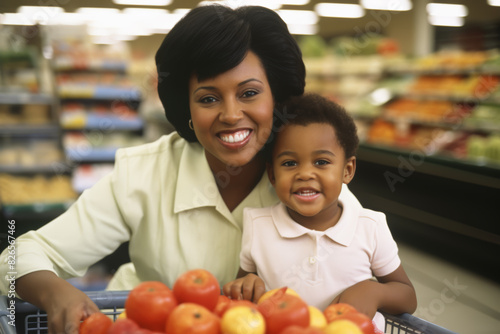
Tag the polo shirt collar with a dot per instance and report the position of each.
(343, 232)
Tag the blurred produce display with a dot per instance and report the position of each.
(446, 104)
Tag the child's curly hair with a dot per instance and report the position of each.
(314, 108)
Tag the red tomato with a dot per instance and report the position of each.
(123, 326)
(301, 330)
(221, 305)
(191, 318)
(197, 286)
(334, 311)
(96, 323)
(283, 310)
(149, 304)
(361, 320)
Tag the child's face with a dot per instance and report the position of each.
(308, 170)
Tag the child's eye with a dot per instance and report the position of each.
(322, 162)
(289, 164)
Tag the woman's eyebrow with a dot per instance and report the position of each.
(248, 80)
(240, 84)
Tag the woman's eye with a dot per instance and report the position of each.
(250, 93)
(289, 164)
(208, 99)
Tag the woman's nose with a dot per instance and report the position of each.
(231, 111)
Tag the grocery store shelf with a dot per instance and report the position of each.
(57, 167)
(479, 173)
(25, 98)
(99, 93)
(30, 129)
(104, 154)
(64, 64)
(31, 209)
(101, 122)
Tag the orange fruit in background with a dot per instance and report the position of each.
(342, 326)
(316, 318)
(243, 320)
(269, 293)
(335, 311)
(191, 318)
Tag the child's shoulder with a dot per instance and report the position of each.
(262, 212)
(369, 215)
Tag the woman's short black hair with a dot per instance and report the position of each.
(314, 108)
(213, 39)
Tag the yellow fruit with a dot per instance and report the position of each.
(269, 293)
(122, 315)
(317, 318)
(342, 326)
(243, 320)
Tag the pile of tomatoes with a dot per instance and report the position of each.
(195, 306)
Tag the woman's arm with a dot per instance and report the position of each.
(247, 286)
(393, 293)
(64, 304)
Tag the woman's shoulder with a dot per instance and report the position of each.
(167, 143)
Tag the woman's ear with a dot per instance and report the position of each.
(349, 170)
(270, 173)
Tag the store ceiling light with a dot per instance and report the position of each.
(235, 4)
(303, 17)
(97, 12)
(149, 12)
(15, 19)
(445, 9)
(143, 2)
(303, 29)
(494, 2)
(391, 5)
(339, 10)
(68, 19)
(34, 10)
(294, 2)
(446, 21)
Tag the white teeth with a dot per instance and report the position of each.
(307, 193)
(236, 138)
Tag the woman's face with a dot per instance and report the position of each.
(232, 113)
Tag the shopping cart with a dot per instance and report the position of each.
(29, 319)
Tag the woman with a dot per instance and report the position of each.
(178, 201)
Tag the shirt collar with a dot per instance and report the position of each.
(195, 185)
(342, 233)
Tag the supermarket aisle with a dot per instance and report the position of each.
(450, 296)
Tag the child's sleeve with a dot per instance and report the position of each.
(385, 257)
(246, 259)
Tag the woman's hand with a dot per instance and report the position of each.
(364, 296)
(64, 304)
(249, 287)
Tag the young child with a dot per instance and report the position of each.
(325, 249)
